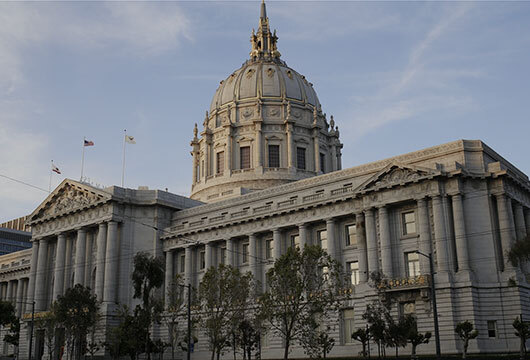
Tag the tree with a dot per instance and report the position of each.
(363, 336)
(414, 337)
(301, 285)
(316, 341)
(522, 331)
(128, 338)
(396, 333)
(147, 276)
(9, 319)
(466, 332)
(248, 337)
(520, 251)
(223, 296)
(174, 311)
(77, 311)
(376, 315)
(48, 324)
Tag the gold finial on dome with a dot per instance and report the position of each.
(264, 42)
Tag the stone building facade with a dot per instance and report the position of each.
(461, 202)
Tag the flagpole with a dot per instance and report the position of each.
(50, 185)
(83, 159)
(123, 167)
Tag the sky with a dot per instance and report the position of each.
(397, 76)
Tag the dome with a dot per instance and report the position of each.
(266, 80)
(265, 128)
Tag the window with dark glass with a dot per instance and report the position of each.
(274, 156)
(220, 162)
(351, 235)
(269, 247)
(492, 328)
(300, 158)
(408, 220)
(413, 264)
(244, 254)
(202, 260)
(223, 255)
(244, 152)
(348, 325)
(182, 263)
(323, 162)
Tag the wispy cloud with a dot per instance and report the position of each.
(402, 94)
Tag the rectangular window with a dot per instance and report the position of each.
(322, 237)
(295, 241)
(244, 153)
(269, 247)
(323, 162)
(182, 263)
(413, 264)
(300, 158)
(274, 156)
(223, 255)
(244, 253)
(407, 308)
(408, 221)
(492, 328)
(353, 267)
(220, 163)
(351, 235)
(202, 260)
(348, 325)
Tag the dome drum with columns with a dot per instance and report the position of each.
(265, 127)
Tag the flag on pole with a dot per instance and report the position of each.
(55, 169)
(129, 139)
(88, 143)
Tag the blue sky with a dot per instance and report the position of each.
(397, 76)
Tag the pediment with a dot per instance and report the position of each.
(395, 175)
(70, 196)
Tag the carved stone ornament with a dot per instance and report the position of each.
(289, 74)
(270, 72)
(395, 176)
(247, 112)
(274, 112)
(297, 114)
(250, 72)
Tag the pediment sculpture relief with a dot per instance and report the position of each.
(396, 176)
(70, 198)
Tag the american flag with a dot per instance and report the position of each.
(88, 143)
(55, 169)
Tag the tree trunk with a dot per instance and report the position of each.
(522, 348)
(413, 353)
(286, 350)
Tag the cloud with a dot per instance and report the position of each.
(133, 28)
(420, 87)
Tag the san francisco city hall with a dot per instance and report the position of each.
(267, 174)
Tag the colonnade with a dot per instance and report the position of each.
(375, 245)
(15, 291)
(79, 267)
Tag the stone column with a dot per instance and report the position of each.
(111, 264)
(386, 243)
(40, 279)
(101, 243)
(361, 246)
(253, 254)
(276, 243)
(20, 297)
(333, 247)
(80, 258)
(506, 225)
(316, 146)
(228, 153)
(68, 264)
(424, 228)
(333, 154)
(169, 275)
(259, 142)
(462, 250)
(527, 220)
(208, 256)
(440, 235)
(33, 270)
(520, 226)
(302, 233)
(188, 268)
(290, 147)
(88, 258)
(9, 292)
(230, 252)
(371, 241)
(59, 266)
